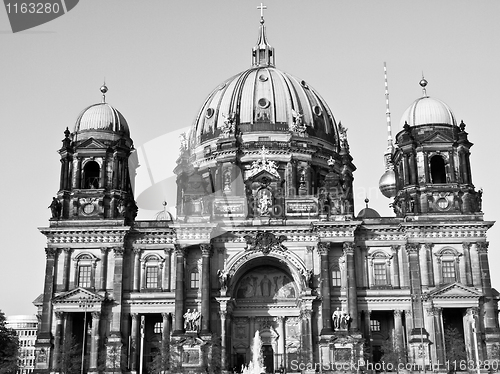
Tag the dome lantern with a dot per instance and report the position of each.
(262, 52)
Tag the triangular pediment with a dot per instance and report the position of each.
(265, 175)
(76, 296)
(92, 144)
(455, 290)
(438, 137)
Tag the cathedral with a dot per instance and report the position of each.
(265, 245)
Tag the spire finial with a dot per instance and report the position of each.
(262, 53)
(104, 89)
(261, 7)
(423, 84)
(367, 201)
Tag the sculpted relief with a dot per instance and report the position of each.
(266, 282)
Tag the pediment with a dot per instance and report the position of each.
(455, 290)
(265, 176)
(438, 137)
(92, 144)
(74, 297)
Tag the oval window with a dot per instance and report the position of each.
(210, 112)
(304, 84)
(262, 78)
(442, 203)
(317, 110)
(263, 103)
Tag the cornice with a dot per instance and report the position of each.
(85, 235)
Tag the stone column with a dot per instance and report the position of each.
(94, 340)
(281, 340)
(406, 168)
(104, 268)
(114, 339)
(368, 331)
(44, 329)
(430, 268)
(206, 253)
(67, 268)
(398, 329)
(134, 341)
(424, 265)
(467, 259)
(137, 269)
(58, 341)
(179, 290)
(325, 288)
(426, 167)
(437, 314)
(451, 157)
(224, 309)
(415, 284)
(490, 314)
(413, 168)
(395, 266)
(307, 339)
(352, 296)
(168, 270)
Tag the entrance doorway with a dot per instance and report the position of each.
(268, 355)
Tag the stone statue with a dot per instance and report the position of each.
(336, 318)
(223, 279)
(191, 320)
(55, 208)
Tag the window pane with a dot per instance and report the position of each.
(152, 277)
(336, 278)
(379, 274)
(195, 279)
(158, 328)
(448, 268)
(84, 274)
(374, 325)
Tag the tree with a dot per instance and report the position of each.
(455, 346)
(9, 347)
(392, 354)
(166, 357)
(69, 357)
(214, 355)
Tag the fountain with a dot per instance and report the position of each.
(256, 366)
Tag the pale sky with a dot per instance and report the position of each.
(162, 58)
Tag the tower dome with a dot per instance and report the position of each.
(101, 120)
(427, 111)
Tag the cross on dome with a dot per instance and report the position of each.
(262, 7)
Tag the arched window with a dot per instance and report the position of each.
(85, 271)
(151, 266)
(438, 170)
(91, 172)
(448, 259)
(379, 262)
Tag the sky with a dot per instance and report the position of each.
(160, 59)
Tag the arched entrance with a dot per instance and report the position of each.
(267, 299)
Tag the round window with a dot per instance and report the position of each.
(442, 203)
(263, 103)
(263, 78)
(317, 110)
(88, 209)
(210, 112)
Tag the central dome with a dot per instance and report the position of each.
(264, 99)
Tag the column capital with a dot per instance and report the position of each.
(179, 251)
(165, 315)
(412, 248)
(466, 245)
(59, 316)
(135, 316)
(167, 251)
(408, 312)
(395, 248)
(137, 251)
(104, 250)
(323, 248)
(206, 249)
(482, 247)
(348, 247)
(397, 313)
(223, 314)
(434, 311)
(118, 251)
(96, 315)
(474, 311)
(306, 313)
(428, 246)
(50, 253)
(68, 250)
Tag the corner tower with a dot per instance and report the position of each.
(431, 162)
(95, 181)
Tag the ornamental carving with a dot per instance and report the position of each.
(50, 253)
(263, 164)
(323, 248)
(265, 242)
(412, 248)
(206, 249)
(348, 247)
(482, 247)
